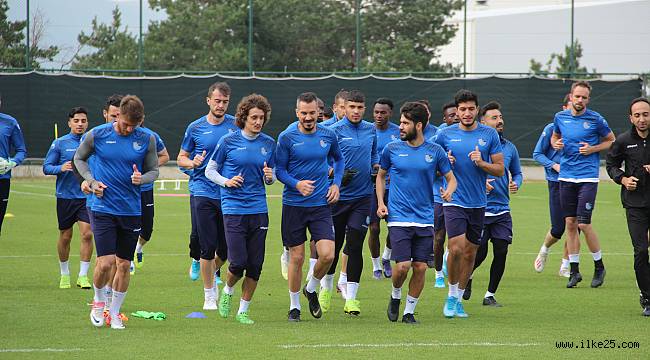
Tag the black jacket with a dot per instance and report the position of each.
(634, 150)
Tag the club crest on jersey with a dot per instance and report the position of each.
(137, 146)
(428, 158)
(263, 151)
(323, 144)
(482, 142)
(585, 125)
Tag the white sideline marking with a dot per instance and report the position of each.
(38, 350)
(479, 344)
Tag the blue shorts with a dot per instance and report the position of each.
(555, 208)
(209, 221)
(468, 221)
(373, 206)
(296, 220)
(146, 202)
(69, 211)
(246, 238)
(438, 217)
(497, 227)
(411, 243)
(578, 200)
(116, 235)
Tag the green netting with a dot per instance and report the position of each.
(39, 101)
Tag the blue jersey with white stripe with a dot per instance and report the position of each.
(412, 172)
(160, 146)
(238, 155)
(588, 127)
(358, 143)
(11, 140)
(61, 151)
(203, 136)
(498, 200)
(301, 156)
(470, 192)
(545, 155)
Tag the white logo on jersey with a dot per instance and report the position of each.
(428, 158)
(585, 125)
(263, 151)
(207, 132)
(482, 142)
(137, 146)
(323, 144)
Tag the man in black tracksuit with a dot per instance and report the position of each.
(633, 148)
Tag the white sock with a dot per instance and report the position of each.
(397, 293)
(453, 290)
(138, 248)
(295, 300)
(65, 269)
(83, 268)
(411, 302)
(312, 263)
(574, 258)
(597, 255)
(343, 278)
(387, 253)
(243, 306)
(565, 263)
(353, 287)
(116, 304)
(544, 249)
(327, 282)
(228, 290)
(100, 294)
(460, 294)
(313, 284)
(440, 274)
(376, 264)
(488, 294)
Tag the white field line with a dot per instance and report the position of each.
(403, 345)
(38, 350)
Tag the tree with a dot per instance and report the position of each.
(562, 64)
(12, 40)
(116, 47)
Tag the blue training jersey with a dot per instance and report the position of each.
(545, 155)
(160, 146)
(11, 139)
(199, 136)
(238, 155)
(412, 172)
(61, 151)
(358, 143)
(588, 127)
(384, 137)
(498, 200)
(301, 156)
(470, 192)
(114, 156)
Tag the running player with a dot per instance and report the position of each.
(474, 151)
(11, 137)
(386, 132)
(70, 200)
(201, 138)
(497, 226)
(548, 157)
(301, 165)
(120, 150)
(581, 134)
(413, 164)
(358, 141)
(243, 164)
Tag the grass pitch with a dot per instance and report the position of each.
(41, 321)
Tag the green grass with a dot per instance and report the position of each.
(538, 309)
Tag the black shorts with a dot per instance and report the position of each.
(146, 202)
(116, 235)
(69, 211)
